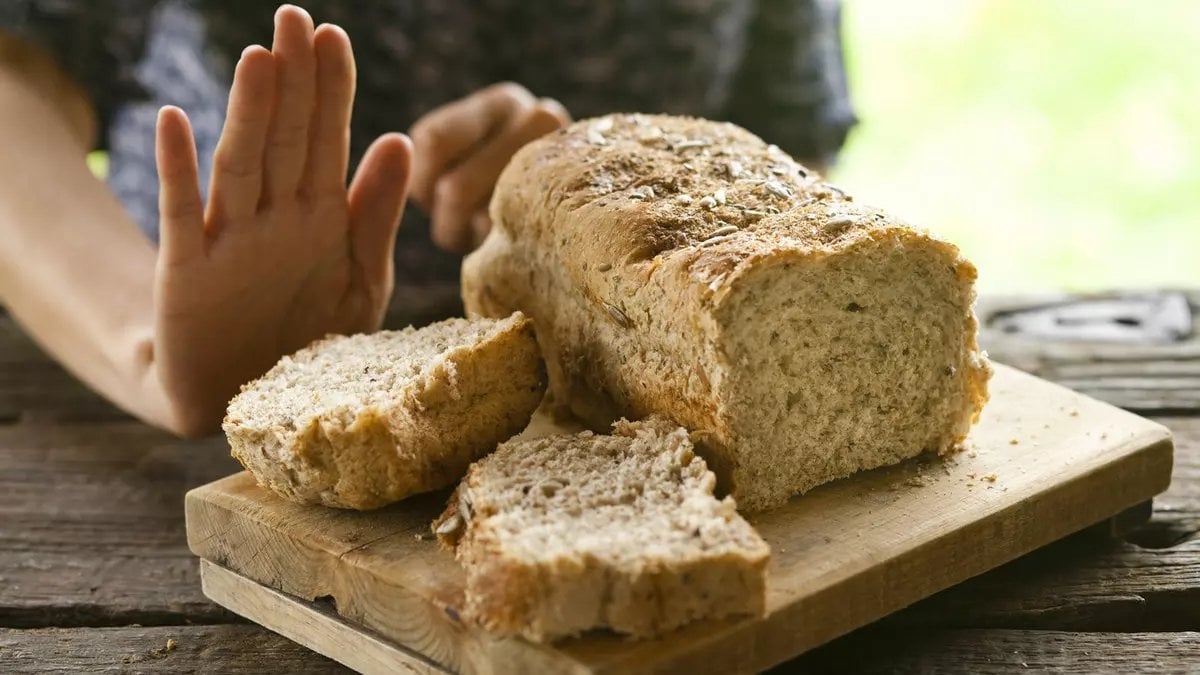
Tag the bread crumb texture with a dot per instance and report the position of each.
(570, 533)
(366, 420)
(686, 268)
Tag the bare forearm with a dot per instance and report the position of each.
(74, 269)
(278, 257)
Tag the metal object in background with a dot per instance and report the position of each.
(1161, 317)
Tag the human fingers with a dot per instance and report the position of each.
(237, 172)
(329, 147)
(181, 211)
(295, 89)
(464, 191)
(447, 134)
(481, 225)
(376, 199)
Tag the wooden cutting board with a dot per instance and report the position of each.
(1042, 463)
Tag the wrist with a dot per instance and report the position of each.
(167, 403)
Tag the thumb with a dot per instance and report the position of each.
(377, 196)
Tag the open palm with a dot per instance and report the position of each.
(283, 252)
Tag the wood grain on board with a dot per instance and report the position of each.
(312, 624)
(1043, 462)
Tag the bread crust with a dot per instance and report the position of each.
(626, 236)
(458, 409)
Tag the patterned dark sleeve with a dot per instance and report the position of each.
(97, 44)
(791, 87)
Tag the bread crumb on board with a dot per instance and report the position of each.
(155, 653)
(989, 478)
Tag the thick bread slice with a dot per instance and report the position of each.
(686, 268)
(362, 421)
(568, 533)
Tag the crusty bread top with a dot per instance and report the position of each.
(688, 193)
(336, 378)
(638, 499)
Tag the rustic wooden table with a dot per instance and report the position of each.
(95, 574)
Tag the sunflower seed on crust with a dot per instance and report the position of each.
(617, 315)
(715, 240)
(778, 189)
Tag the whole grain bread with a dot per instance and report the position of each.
(568, 533)
(686, 268)
(362, 421)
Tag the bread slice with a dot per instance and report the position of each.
(686, 268)
(362, 421)
(569, 533)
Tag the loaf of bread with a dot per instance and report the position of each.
(568, 533)
(686, 268)
(362, 421)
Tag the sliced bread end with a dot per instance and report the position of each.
(570, 533)
(366, 420)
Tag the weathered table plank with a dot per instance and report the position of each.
(228, 649)
(1077, 584)
(1177, 511)
(250, 649)
(1005, 651)
(33, 387)
(91, 525)
(1139, 351)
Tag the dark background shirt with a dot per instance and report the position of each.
(773, 66)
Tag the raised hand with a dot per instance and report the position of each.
(283, 252)
(462, 147)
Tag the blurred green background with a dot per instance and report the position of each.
(1056, 141)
